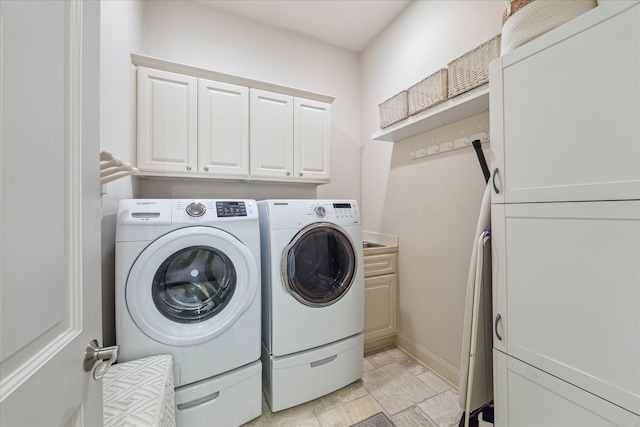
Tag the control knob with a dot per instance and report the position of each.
(196, 209)
(320, 211)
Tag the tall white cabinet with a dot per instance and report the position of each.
(565, 127)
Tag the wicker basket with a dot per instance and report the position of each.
(534, 18)
(514, 6)
(393, 109)
(472, 69)
(428, 92)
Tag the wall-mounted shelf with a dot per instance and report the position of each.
(462, 106)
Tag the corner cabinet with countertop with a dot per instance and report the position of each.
(196, 123)
(380, 296)
(565, 220)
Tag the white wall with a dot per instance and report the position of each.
(432, 203)
(120, 34)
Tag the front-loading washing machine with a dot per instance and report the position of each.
(312, 298)
(187, 284)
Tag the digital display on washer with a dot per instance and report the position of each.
(342, 205)
(226, 209)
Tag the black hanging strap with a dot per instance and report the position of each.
(483, 162)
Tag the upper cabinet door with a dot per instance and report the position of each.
(223, 129)
(312, 139)
(167, 121)
(271, 137)
(565, 109)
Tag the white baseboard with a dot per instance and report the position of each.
(444, 369)
(379, 344)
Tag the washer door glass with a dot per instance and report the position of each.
(319, 265)
(191, 285)
(194, 284)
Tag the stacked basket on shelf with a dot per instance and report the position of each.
(523, 21)
(461, 75)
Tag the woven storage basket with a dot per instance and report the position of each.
(472, 69)
(393, 109)
(514, 6)
(534, 18)
(428, 92)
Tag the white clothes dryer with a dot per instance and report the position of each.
(312, 298)
(187, 284)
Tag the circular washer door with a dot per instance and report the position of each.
(319, 265)
(191, 285)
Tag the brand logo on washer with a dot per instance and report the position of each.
(145, 203)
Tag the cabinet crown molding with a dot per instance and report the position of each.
(161, 64)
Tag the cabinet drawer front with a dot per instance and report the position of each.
(376, 265)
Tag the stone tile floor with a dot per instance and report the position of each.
(393, 382)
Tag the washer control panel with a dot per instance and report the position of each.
(235, 208)
(160, 212)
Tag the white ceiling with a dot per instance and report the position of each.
(349, 24)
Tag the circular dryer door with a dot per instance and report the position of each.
(191, 285)
(319, 265)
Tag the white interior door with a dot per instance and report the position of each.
(50, 212)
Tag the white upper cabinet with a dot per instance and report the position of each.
(167, 122)
(290, 138)
(551, 146)
(312, 139)
(271, 135)
(223, 129)
(227, 127)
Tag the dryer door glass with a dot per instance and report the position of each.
(319, 265)
(194, 284)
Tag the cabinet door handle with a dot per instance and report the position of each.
(493, 180)
(498, 318)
